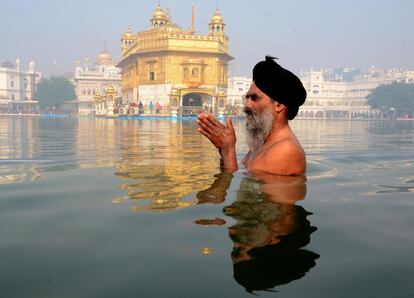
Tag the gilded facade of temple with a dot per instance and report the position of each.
(177, 68)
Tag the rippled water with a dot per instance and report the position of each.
(122, 208)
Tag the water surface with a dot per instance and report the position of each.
(121, 208)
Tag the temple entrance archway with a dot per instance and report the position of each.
(192, 99)
(194, 102)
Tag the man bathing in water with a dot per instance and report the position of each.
(273, 98)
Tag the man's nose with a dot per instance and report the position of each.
(248, 103)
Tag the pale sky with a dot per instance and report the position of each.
(303, 34)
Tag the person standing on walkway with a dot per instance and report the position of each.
(157, 108)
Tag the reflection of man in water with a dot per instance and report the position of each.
(273, 98)
(270, 230)
(269, 237)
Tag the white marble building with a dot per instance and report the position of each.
(17, 87)
(331, 96)
(94, 80)
(237, 89)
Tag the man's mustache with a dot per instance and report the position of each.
(249, 111)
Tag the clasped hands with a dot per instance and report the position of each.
(223, 137)
(220, 135)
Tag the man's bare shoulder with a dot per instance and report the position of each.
(285, 157)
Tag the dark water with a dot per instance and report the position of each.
(112, 208)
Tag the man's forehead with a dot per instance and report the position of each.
(254, 90)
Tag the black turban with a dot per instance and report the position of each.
(279, 84)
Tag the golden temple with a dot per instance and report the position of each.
(179, 69)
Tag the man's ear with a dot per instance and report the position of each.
(278, 107)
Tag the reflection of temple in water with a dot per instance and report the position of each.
(19, 137)
(96, 142)
(164, 165)
(160, 163)
(18, 144)
(16, 173)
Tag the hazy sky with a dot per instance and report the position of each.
(303, 34)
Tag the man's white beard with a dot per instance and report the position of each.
(258, 130)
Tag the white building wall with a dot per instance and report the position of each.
(351, 97)
(3, 82)
(12, 84)
(237, 89)
(17, 88)
(93, 81)
(155, 93)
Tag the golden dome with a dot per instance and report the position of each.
(110, 89)
(172, 27)
(217, 18)
(104, 58)
(159, 14)
(128, 34)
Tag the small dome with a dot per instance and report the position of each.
(110, 89)
(172, 27)
(7, 64)
(104, 58)
(217, 18)
(159, 14)
(32, 66)
(128, 35)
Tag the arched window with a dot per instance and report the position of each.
(185, 72)
(194, 72)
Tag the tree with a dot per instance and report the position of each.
(54, 92)
(398, 97)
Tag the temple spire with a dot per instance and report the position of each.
(192, 18)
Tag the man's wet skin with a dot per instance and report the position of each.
(273, 98)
